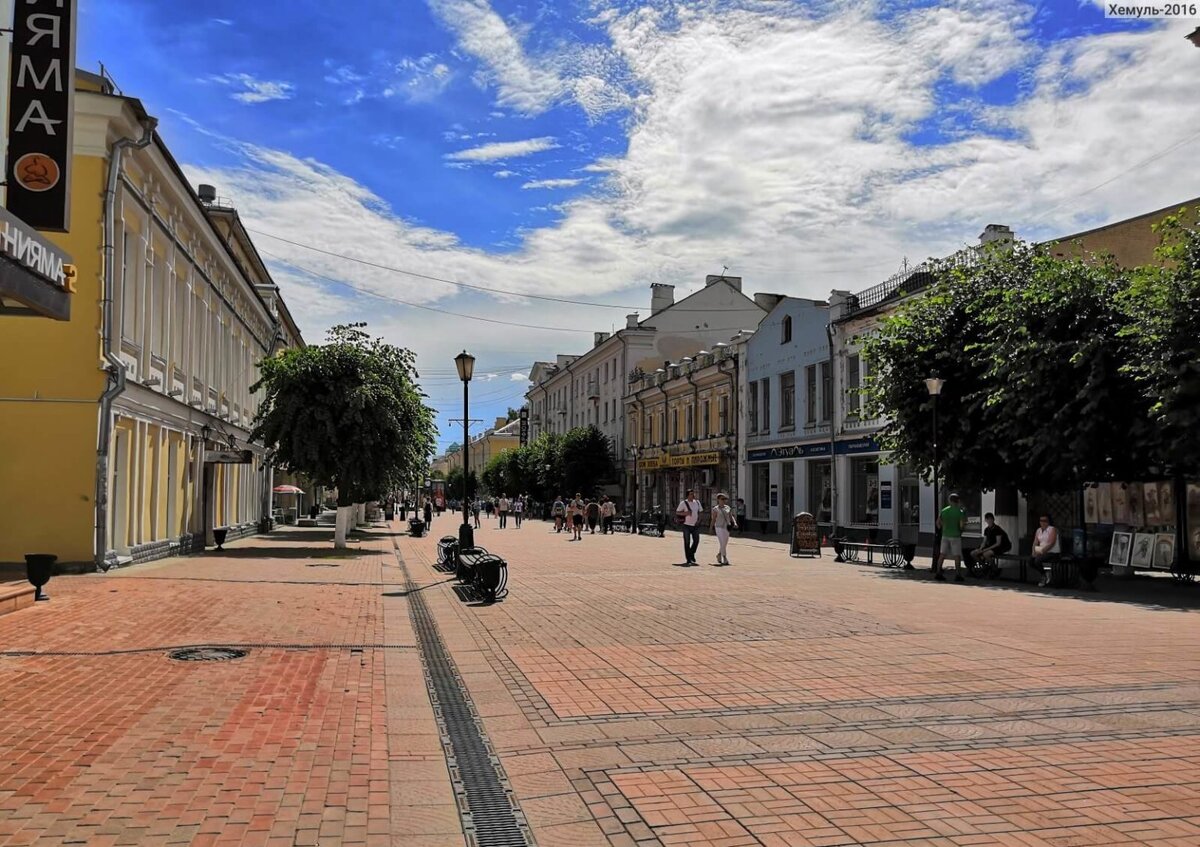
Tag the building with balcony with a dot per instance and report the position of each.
(592, 388)
(681, 423)
(126, 432)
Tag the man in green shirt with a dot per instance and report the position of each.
(950, 521)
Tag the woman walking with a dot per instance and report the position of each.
(723, 520)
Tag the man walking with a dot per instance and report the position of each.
(950, 521)
(576, 509)
(607, 510)
(518, 509)
(689, 510)
(502, 508)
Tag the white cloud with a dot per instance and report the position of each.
(776, 144)
(519, 377)
(504, 150)
(552, 183)
(255, 90)
(504, 174)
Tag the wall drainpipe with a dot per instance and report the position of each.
(113, 363)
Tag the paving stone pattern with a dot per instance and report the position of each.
(628, 701)
(802, 702)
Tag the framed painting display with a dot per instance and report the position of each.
(1118, 554)
(1193, 521)
(1143, 550)
(1137, 512)
(1104, 498)
(1164, 550)
(1091, 510)
(1120, 502)
(1166, 503)
(1150, 501)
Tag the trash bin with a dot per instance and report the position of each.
(38, 569)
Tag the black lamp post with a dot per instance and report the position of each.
(934, 386)
(465, 363)
(636, 481)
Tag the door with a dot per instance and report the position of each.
(789, 496)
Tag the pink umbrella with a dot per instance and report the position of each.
(287, 489)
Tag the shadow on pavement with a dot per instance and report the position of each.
(1156, 593)
(267, 552)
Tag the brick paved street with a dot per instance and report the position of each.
(776, 702)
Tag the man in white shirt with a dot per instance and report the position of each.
(502, 508)
(689, 510)
(518, 507)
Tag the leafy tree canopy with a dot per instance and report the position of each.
(454, 484)
(347, 413)
(1057, 370)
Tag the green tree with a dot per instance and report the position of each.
(454, 484)
(587, 460)
(1163, 307)
(1031, 348)
(348, 414)
(437, 475)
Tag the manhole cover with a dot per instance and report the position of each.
(207, 654)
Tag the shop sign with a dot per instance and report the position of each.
(524, 425)
(40, 113)
(686, 460)
(865, 444)
(228, 457)
(790, 451)
(21, 244)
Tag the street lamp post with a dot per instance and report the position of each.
(465, 363)
(934, 386)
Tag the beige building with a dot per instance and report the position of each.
(504, 435)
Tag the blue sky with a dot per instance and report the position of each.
(586, 149)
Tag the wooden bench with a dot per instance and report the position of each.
(891, 554)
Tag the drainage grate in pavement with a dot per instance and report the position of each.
(207, 654)
(322, 565)
(491, 817)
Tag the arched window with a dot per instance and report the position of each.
(787, 329)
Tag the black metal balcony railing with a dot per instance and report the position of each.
(910, 280)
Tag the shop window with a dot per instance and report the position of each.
(820, 490)
(908, 496)
(810, 394)
(787, 400)
(762, 489)
(864, 490)
(753, 404)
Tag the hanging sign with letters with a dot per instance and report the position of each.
(41, 98)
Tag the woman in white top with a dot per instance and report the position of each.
(723, 520)
(1045, 546)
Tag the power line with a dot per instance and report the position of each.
(369, 293)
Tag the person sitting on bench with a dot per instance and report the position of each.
(995, 543)
(1045, 547)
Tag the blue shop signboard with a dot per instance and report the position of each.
(816, 448)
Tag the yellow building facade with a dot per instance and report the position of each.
(124, 431)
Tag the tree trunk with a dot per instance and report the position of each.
(345, 516)
(360, 514)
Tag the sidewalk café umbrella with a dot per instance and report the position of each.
(287, 489)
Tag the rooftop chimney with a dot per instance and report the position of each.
(735, 281)
(599, 338)
(661, 296)
(631, 321)
(207, 193)
(994, 233)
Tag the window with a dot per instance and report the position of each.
(129, 294)
(787, 329)
(675, 424)
(787, 400)
(853, 380)
(706, 421)
(810, 395)
(646, 429)
(179, 324)
(761, 486)
(160, 306)
(766, 405)
(662, 427)
(820, 490)
(723, 423)
(754, 406)
(826, 392)
(864, 490)
(691, 422)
